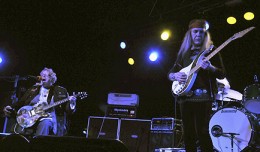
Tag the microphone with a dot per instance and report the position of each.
(37, 78)
(216, 131)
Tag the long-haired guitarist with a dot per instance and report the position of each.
(193, 82)
(31, 117)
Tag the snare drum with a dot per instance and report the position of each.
(229, 121)
(251, 98)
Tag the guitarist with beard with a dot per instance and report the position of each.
(44, 93)
(195, 106)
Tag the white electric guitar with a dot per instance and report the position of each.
(27, 116)
(181, 89)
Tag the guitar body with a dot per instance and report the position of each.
(27, 116)
(181, 89)
(191, 70)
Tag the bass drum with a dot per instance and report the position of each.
(251, 99)
(229, 122)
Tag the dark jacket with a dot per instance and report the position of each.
(205, 79)
(61, 111)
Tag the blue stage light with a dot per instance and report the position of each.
(153, 56)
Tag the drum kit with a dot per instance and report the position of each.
(235, 123)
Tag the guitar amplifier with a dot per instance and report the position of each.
(123, 99)
(121, 111)
(103, 127)
(162, 124)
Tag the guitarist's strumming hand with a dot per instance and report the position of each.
(178, 76)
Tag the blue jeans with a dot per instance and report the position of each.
(44, 127)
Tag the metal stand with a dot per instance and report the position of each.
(232, 135)
(13, 97)
(175, 115)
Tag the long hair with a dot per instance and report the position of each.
(187, 43)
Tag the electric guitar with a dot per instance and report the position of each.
(27, 116)
(181, 89)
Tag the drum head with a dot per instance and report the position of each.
(252, 98)
(252, 91)
(229, 121)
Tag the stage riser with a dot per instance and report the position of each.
(18, 143)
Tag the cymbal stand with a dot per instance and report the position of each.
(222, 97)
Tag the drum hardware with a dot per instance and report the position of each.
(228, 123)
(217, 131)
(232, 138)
(251, 98)
(227, 97)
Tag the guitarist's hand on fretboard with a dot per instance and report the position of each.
(205, 64)
(72, 100)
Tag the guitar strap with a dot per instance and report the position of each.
(51, 93)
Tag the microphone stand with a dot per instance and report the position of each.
(14, 97)
(175, 115)
(232, 138)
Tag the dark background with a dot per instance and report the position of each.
(80, 41)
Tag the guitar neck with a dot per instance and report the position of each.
(217, 50)
(55, 104)
(194, 69)
(82, 95)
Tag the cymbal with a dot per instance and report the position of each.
(229, 95)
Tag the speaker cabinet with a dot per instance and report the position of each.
(75, 144)
(135, 134)
(160, 139)
(103, 127)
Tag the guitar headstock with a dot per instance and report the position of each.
(242, 33)
(80, 95)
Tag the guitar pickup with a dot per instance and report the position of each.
(31, 113)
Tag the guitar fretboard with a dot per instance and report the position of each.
(235, 36)
(210, 56)
(57, 103)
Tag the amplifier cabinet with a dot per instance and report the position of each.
(161, 139)
(135, 134)
(103, 127)
(121, 111)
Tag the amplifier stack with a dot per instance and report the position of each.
(137, 134)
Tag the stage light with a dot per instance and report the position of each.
(131, 61)
(249, 16)
(153, 56)
(1, 60)
(165, 35)
(123, 45)
(231, 20)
